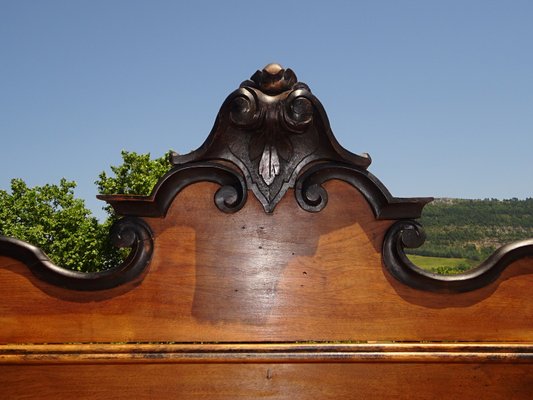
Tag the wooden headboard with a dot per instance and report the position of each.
(269, 263)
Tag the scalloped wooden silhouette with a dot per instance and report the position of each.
(269, 263)
(271, 135)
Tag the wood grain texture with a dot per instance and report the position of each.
(270, 381)
(256, 277)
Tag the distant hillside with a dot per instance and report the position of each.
(473, 229)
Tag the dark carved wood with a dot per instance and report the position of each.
(312, 197)
(271, 128)
(229, 198)
(127, 232)
(410, 234)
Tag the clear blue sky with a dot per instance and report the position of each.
(440, 93)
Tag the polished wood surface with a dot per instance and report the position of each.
(268, 381)
(256, 277)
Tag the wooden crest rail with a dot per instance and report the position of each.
(269, 263)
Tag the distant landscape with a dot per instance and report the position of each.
(461, 233)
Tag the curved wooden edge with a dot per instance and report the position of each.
(247, 89)
(127, 232)
(232, 196)
(229, 198)
(268, 353)
(311, 196)
(410, 234)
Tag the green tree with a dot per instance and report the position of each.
(137, 174)
(50, 217)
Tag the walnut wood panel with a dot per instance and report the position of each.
(257, 277)
(272, 381)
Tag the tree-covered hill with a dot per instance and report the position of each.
(473, 229)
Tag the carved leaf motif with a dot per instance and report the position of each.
(269, 164)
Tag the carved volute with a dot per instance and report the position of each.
(270, 135)
(271, 128)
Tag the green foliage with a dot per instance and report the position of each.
(445, 270)
(50, 217)
(137, 174)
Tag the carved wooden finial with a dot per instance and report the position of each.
(272, 68)
(272, 128)
(273, 79)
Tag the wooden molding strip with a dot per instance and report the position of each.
(268, 353)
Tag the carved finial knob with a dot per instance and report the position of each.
(272, 68)
(274, 79)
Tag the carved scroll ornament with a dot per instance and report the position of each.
(271, 128)
(270, 135)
